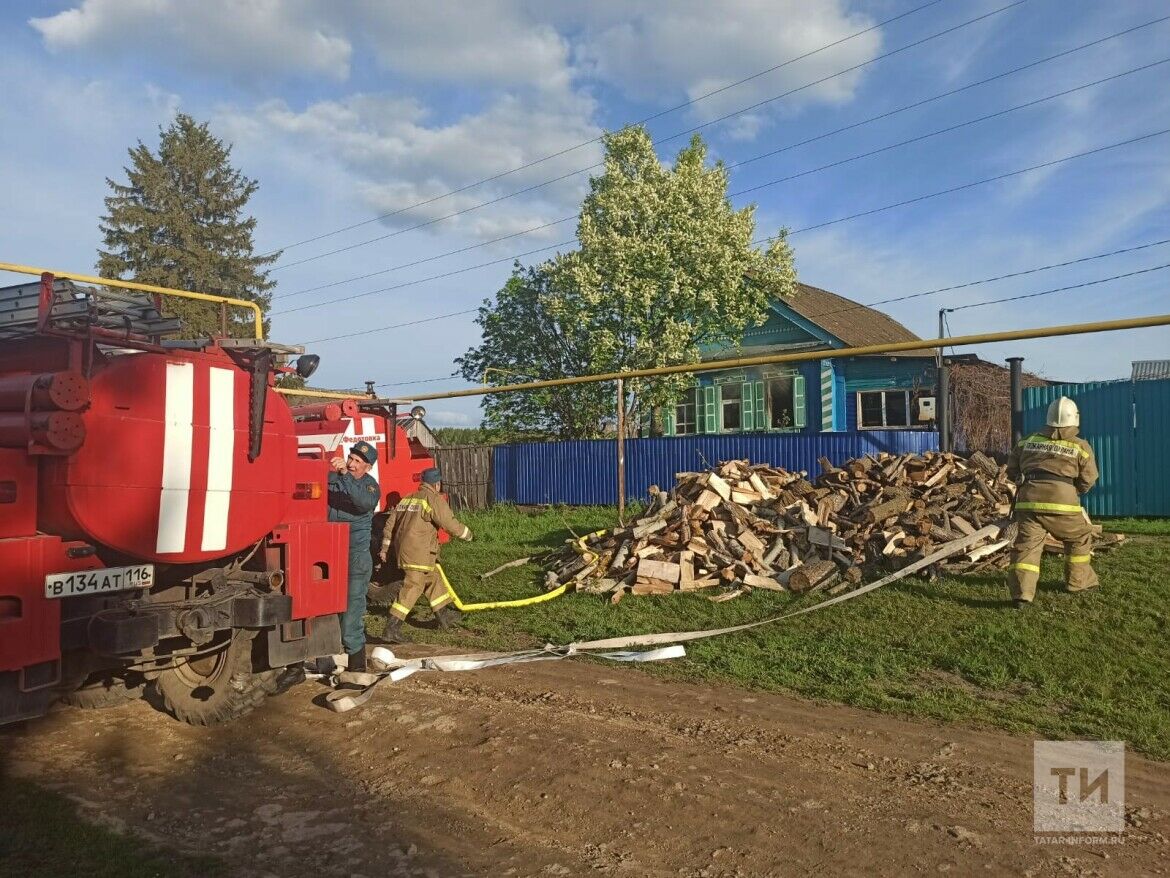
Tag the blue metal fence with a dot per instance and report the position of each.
(583, 472)
(1127, 423)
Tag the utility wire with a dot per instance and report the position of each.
(393, 326)
(585, 143)
(769, 239)
(418, 381)
(768, 154)
(1091, 283)
(988, 280)
(656, 142)
(971, 185)
(953, 287)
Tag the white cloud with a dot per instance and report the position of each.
(395, 156)
(237, 36)
(489, 42)
(664, 53)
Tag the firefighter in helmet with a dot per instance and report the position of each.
(353, 496)
(1053, 467)
(412, 532)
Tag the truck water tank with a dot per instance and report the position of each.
(163, 474)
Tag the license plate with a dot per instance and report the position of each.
(64, 585)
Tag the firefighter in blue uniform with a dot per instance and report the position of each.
(353, 495)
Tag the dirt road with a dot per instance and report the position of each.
(574, 769)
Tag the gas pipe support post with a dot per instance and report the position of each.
(1017, 391)
(621, 448)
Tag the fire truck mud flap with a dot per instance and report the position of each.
(302, 640)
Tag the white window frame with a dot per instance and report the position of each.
(689, 405)
(909, 395)
(724, 403)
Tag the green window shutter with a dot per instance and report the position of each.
(747, 409)
(710, 423)
(668, 422)
(799, 407)
(761, 420)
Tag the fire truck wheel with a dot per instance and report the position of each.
(216, 688)
(103, 690)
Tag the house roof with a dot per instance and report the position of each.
(855, 324)
(1150, 370)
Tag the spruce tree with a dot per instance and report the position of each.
(178, 222)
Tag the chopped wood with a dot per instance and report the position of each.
(664, 570)
(747, 525)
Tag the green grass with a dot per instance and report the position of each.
(1093, 665)
(1150, 526)
(43, 836)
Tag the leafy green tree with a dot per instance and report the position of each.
(524, 340)
(665, 269)
(178, 221)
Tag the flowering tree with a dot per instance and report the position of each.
(665, 268)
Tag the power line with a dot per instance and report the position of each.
(585, 143)
(971, 185)
(392, 326)
(768, 154)
(698, 366)
(1091, 283)
(952, 288)
(418, 381)
(948, 129)
(421, 280)
(771, 238)
(674, 136)
(988, 280)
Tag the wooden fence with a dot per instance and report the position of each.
(467, 474)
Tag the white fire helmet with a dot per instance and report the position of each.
(1063, 412)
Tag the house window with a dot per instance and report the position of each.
(884, 409)
(685, 421)
(732, 406)
(780, 403)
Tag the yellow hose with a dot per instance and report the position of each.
(579, 545)
(496, 605)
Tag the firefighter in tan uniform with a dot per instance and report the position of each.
(412, 531)
(1054, 466)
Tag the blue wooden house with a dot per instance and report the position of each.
(829, 394)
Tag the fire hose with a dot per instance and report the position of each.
(611, 648)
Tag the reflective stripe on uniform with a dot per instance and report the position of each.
(1079, 559)
(1040, 442)
(426, 568)
(440, 601)
(1019, 565)
(398, 608)
(1029, 506)
(410, 504)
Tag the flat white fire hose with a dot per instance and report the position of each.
(611, 648)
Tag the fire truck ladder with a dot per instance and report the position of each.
(31, 308)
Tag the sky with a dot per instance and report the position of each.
(369, 123)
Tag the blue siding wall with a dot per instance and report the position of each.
(1126, 423)
(584, 472)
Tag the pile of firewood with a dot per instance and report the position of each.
(744, 526)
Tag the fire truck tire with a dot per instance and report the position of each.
(102, 690)
(216, 688)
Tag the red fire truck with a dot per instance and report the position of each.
(163, 511)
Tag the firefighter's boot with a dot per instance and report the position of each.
(394, 632)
